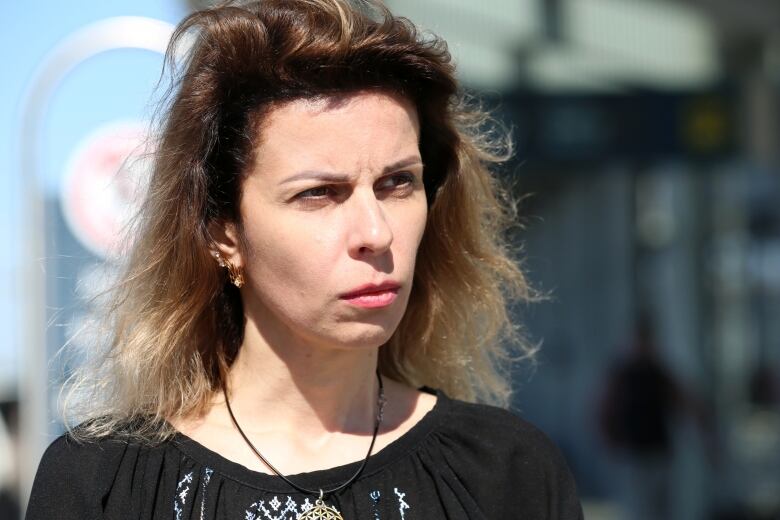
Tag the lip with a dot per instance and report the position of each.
(371, 289)
(372, 296)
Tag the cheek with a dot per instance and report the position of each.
(290, 254)
(412, 225)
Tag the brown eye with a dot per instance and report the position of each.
(398, 180)
(315, 193)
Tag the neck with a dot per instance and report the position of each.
(307, 388)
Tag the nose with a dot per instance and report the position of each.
(370, 232)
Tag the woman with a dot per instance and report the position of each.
(320, 238)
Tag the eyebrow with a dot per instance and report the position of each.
(340, 177)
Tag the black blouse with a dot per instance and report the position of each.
(461, 461)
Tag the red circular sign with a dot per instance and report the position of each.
(103, 185)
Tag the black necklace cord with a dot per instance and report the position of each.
(321, 493)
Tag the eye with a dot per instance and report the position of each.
(320, 192)
(396, 181)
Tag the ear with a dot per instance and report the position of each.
(224, 236)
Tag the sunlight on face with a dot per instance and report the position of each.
(335, 201)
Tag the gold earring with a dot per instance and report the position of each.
(235, 274)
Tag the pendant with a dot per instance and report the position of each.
(320, 512)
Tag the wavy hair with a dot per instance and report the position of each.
(176, 323)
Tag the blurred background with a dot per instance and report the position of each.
(647, 136)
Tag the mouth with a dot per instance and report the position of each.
(372, 295)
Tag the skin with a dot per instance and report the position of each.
(334, 200)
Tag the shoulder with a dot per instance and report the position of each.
(71, 477)
(69, 449)
(507, 463)
(499, 430)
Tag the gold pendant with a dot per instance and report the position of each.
(320, 512)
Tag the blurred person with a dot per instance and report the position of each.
(764, 389)
(637, 412)
(317, 285)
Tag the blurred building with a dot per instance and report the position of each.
(647, 159)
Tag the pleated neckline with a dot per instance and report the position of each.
(324, 478)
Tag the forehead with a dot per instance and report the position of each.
(341, 105)
(344, 131)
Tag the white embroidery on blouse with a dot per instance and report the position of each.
(275, 510)
(206, 479)
(181, 494)
(375, 495)
(271, 510)
(402, 505)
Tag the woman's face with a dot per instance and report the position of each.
(334, 204)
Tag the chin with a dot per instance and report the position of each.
(363, 336)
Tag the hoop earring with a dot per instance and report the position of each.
(235, 274)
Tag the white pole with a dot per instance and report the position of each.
(111, 33)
